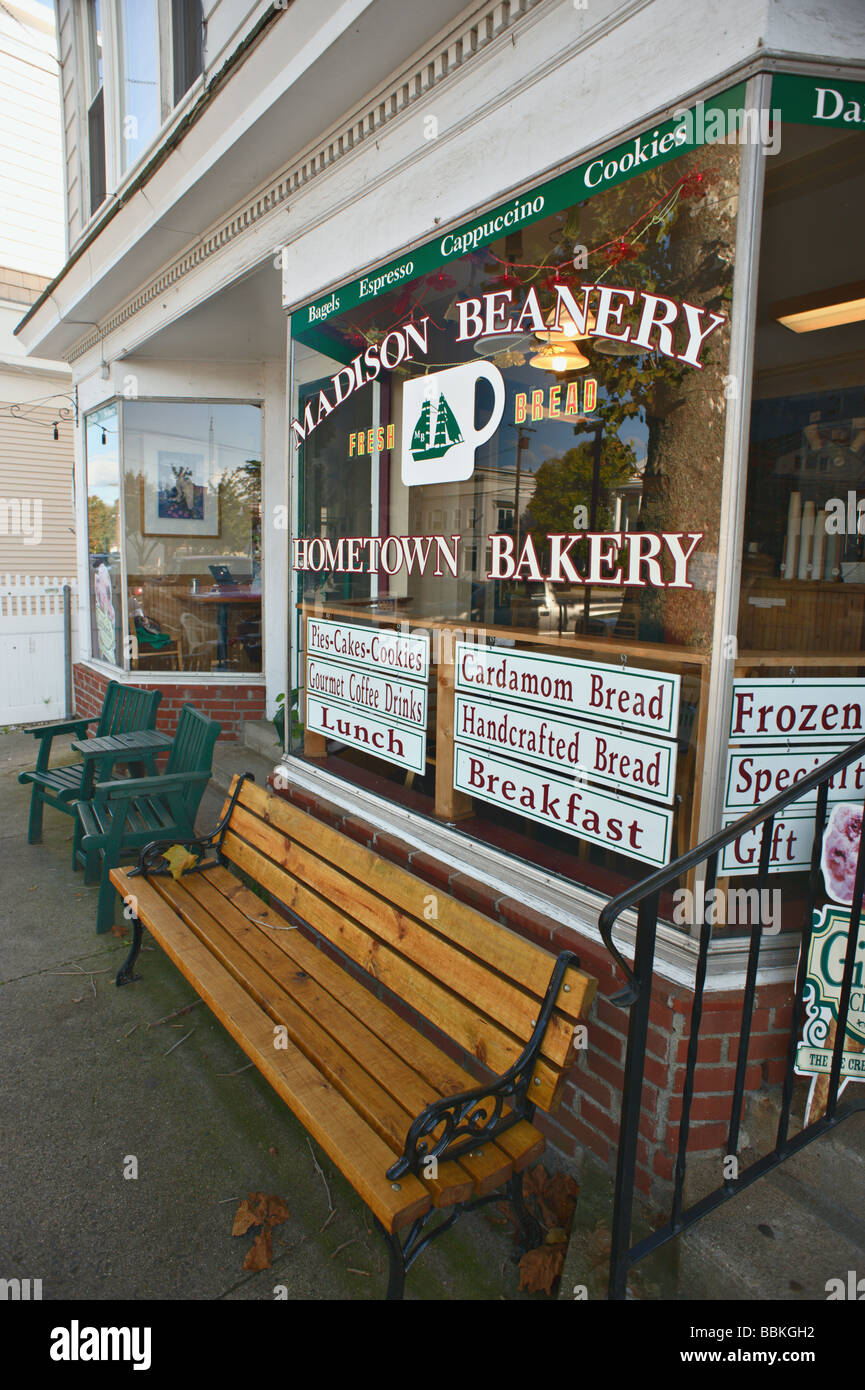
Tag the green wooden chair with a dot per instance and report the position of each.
(125, 709)
(123, 816)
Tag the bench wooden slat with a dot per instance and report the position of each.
(492, 1045)
(347, 1140)
(513, 956)
(365, 1047)
(509, 1004)
(248, 964)
(523, 1144)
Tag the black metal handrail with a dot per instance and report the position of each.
(636, 995)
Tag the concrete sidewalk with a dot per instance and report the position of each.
(88, 1083)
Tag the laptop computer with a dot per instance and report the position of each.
(222, 576)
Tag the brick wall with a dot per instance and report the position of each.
(589, 1115)
(229, 704)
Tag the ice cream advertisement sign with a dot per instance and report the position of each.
(825, 972)
(827, 955)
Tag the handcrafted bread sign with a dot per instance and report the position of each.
(641, 766)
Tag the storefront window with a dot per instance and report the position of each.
(799, 695)
(192, 482)
(518, 451)
(103, 536)
(192, 533)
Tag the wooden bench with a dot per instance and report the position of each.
(412, 1130)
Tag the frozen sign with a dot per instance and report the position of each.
(766, 711)
(631, 698)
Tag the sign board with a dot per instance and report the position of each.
(686, 129)
(792, 841)
(797, 711)
(626, 697)
(383, 649)
(757, 774)
(367, 687)
(381, 695)
(394, 743)
(633, 828)
(825, 971)
(633, 764)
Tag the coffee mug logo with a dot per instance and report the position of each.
(439, 436)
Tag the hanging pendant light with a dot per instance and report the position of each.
(567, 330)
(560, 356)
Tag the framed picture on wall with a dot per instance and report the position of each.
(179, 496)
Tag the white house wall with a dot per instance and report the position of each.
(31, 185)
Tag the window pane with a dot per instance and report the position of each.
(192, 480)
(94, 46)
(139, 46)
(96, 146)
(186, 25)
(606, 446)
(801, 654)
(103, 536)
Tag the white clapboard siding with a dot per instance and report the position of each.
(36, 487)
(32, 672)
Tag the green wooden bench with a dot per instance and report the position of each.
(123, 816)
(124, 709)
(419, 1138)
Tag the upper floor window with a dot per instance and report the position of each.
(95, 103)
(140, 58)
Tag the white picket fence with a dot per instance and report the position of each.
(32, 671)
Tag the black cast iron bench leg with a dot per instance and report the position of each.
(403, 1255)
(125, 974)
(530, 1231)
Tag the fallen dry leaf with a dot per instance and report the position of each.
(277, 1211)
(258, 1256)
(259, 1209)
(539, 1269)
(178, 859)
(244, 1218)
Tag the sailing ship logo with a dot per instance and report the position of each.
(439, 439)
(435, 431)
